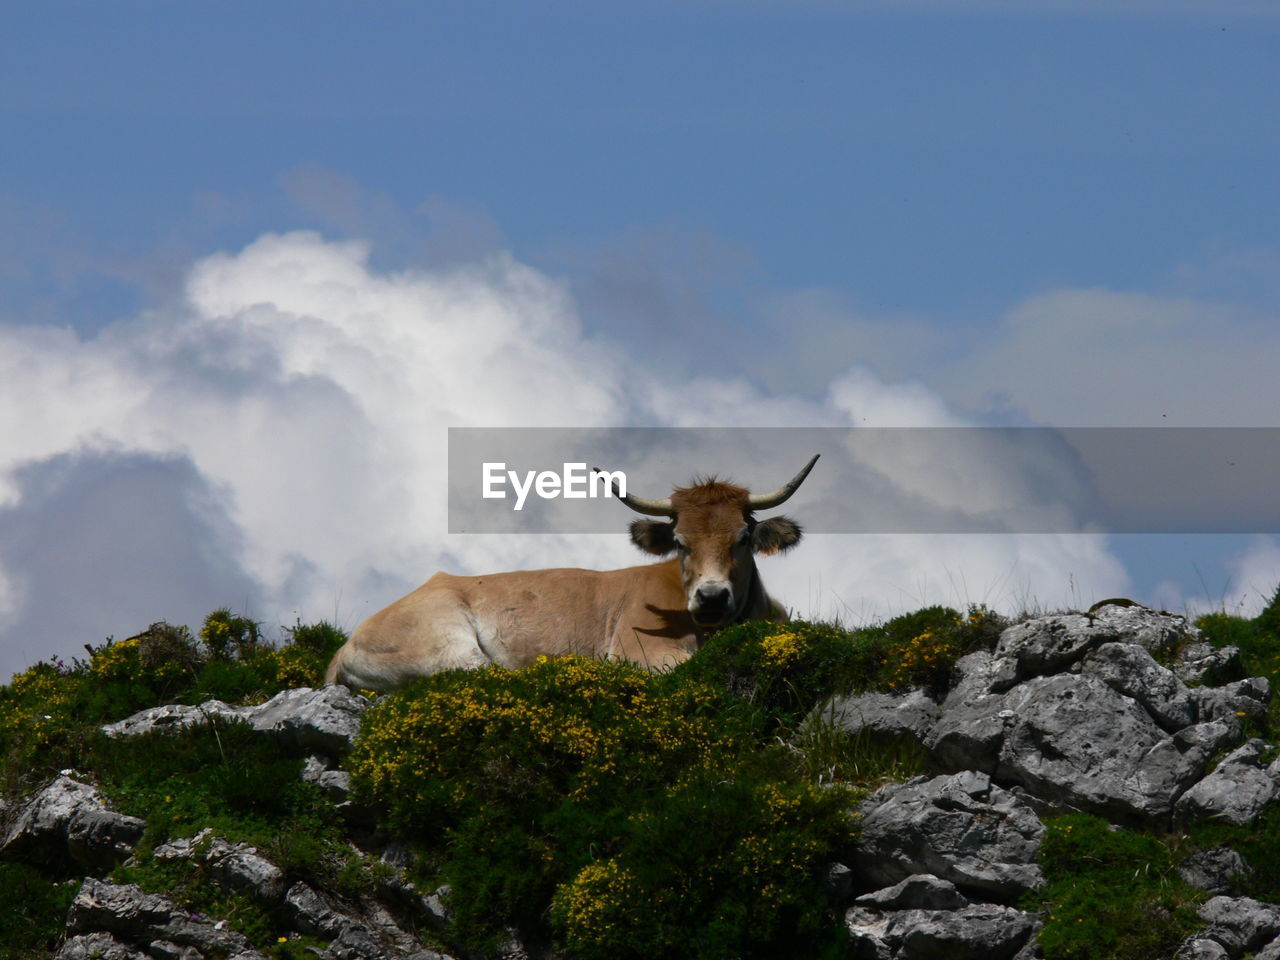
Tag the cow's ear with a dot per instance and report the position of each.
(654, 536)
(775, 535)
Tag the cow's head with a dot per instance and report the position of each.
(713, 528)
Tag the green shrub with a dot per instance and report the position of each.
(49, 713)
(528, 784)
(783, 669)
(33, 911)
(1110, 894)
(724, 865)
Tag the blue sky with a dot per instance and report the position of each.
(1060, 214)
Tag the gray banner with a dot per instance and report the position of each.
(882, 480)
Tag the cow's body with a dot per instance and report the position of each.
(638, 614)
(655, 615)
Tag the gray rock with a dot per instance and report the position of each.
(909, 716)
(1200, 662)
(183, 848)
(240, 868)
(68, 821)
(1045, 645)
(164, 950)
(1156, 630)
(1245, 699)
(1129, 669)
(310, 912)
(961, 828)
(132, 916)
(171, 716)
(1270, 952)
(1075, 740)
(1201, 948)
(922, 891)
(302, 720)
(979, 931)
(974, 721)
(97, 946)
(1237, 790)
(1213, 870)
(839, 882)
(308, 721)
(1240, 924)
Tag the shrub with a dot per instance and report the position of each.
(33, 912)
(783, 669)
(571, 778)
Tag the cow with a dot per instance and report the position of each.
(655, 615)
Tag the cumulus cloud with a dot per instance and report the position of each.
(1115, 358)
(277, 442)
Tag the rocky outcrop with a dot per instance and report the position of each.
(67, 823)
(302, 720)
(960, 828)
(1077, 713)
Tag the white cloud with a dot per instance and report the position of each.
(1107, 358)
(310, 395)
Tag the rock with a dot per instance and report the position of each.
(1073, 739)
(302, 720)
(971, 730)
(1129, 669)
(839, 882)
(308, 721)
(310, 912)
(978, 931)
(1213, 870)
(1236, 791)
(923, 891)
(97, 946)
(961, 828)
(238, 867)
(130, 915)
(171, 716)
(67, 822)
(1045, 645)
(1240, 924)
(1270, 952)
(910, 716)
(1243, 699)
(1156, 630)
(1200, 662)
(1200, 948)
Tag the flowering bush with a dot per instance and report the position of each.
(554, 783)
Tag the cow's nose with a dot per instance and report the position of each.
(713, 596)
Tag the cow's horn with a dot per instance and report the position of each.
(654, 508)
(763, 501)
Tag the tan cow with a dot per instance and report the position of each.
(655, 614)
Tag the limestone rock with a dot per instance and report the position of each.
(1213, 870)
(911, 715)
(1075, 739)
(922, 891)
(1130, 670)
(960, 828)
(68, 822)
(134, 917)
(1240, 924)
(1237, 790)
(978, 931)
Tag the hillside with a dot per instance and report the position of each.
(1084, 785)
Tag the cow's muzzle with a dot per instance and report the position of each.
(712, 604)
